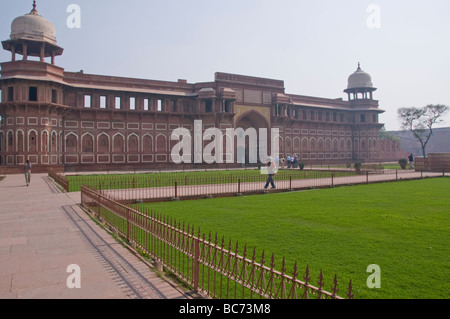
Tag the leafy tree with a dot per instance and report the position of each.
(385, 135)
(420, 121)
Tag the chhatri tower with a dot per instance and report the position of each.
(78, 121)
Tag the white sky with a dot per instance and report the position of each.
(313, 46)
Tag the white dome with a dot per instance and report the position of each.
(33, 27)
(360, 79)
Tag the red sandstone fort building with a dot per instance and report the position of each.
(56, 118)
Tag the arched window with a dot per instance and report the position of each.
(87, 143)
(349, 145)
(53, 144)
(320, 145)
(147, 144)
(335, 145)
(133, 143)
(20, 141)
(327, 145)
(305, 145)
(10, 141)
(312, 145)
(161, 145)
(118, 144)
(103, 143)
(288, 145)
(296, 145)
(71, 143)
(363, 145)
(44, 146)
(342, 146)
(32, 141)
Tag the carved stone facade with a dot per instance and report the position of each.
(92, 122)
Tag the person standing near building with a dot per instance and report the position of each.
(27, 172)
(411, 160)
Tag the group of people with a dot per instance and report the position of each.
(291, 161)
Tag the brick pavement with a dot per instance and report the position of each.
(43, 231)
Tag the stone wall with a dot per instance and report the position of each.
(435, 162)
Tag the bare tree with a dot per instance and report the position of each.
(420, 121)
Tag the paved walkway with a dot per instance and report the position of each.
(44, 231)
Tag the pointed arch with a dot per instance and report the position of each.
(288, 144)
(87, 143)
(103, 143)
(45, 137)
(20, 141)
(251, 118)
(147, 143)
(32, 141)
(71, 142)
(133, 143)
(312, 145)
(54, 142)
(118, 143)
(161, 143)
(297, 145)
(320, 145)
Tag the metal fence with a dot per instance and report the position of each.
(60, 179)
(148, 180)
(130, 190)
(211, 266)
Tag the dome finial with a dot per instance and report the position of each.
(34, 11)
(359, 65)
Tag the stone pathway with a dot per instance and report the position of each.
(43, 232)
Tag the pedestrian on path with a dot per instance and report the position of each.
(27, 172)
(411, 160)
(271, 171)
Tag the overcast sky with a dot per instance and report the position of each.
(313, 46)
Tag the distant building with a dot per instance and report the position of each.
(82, 121)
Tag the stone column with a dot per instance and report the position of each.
(42, 54)
(25, 51)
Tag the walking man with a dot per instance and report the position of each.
(27, 172)
(271, 170)
(411, 160)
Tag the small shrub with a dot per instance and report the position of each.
(403, 163)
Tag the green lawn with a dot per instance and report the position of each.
(403, 227)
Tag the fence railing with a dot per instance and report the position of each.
(212, 267)
(127, 181)
(60, 179)
(163, 187)
(163, 190)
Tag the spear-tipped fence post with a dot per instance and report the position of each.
(350, 294)
(176, 189)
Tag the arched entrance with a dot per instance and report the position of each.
(249, 121)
